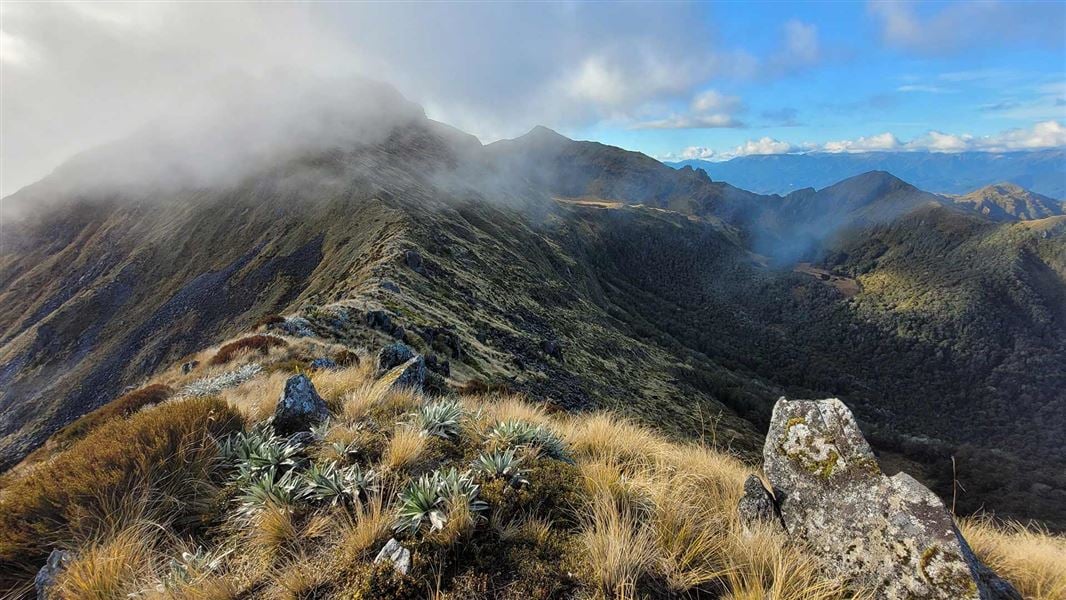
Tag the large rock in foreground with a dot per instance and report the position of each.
(889, 534)
(300, 407)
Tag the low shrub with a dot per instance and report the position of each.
(166, 453)
(253, 343)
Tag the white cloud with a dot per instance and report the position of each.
(1045, 134)
(801, 42)
(697, 152)
(959, 25)
(86, 73)
(765, 145)
(709, 109)
(881, 141)
(928, 89)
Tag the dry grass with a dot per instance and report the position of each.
(257, 398)
(620, 547)
(378, 397)
(165, 453)
(273, 530)
(405, 448)
(297, 578)
(1030, 558)
(655, 518)
(334, 384)
(112, 568)
(607, 437)
(365, 529)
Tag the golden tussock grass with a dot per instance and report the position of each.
(380, 398)
(115, 567)
(365, 529)
(620, 547)
(257, 398)
(165, 453)
(405, 447)
(273, 530)
(334, 384)
(1029, 557)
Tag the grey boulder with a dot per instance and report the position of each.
(399, 556)
(397, 354)
(300, 407)
(45, 580)
(891, 535)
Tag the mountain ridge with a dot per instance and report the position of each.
(539, 248)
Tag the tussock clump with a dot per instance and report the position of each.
(166, 454)
(119, 408)
(1027, 556)
(260, 344)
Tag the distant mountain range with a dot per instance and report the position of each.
(1043, 171)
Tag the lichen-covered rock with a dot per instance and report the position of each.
(889, 534)
(300, 407)
(394, 355)
(399, 556)
(44, 582)
(756, 505)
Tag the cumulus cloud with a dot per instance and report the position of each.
(881, 141)
(1042, 135)
(708, 110)
(956, 26)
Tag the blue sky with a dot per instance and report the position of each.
(673, 80)
(957, 71)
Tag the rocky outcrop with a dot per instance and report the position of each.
(888, 534)
(300, 407)
(44, 582)
(394, 355)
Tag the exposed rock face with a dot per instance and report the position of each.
(394, 355)
(300, 407)
(45, 580)
(400, 556)
(756, 505)
(890, 534)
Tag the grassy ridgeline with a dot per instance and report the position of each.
(526, 503)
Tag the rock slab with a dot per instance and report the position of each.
(300, 407)
(397, 354)
(891, 535)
